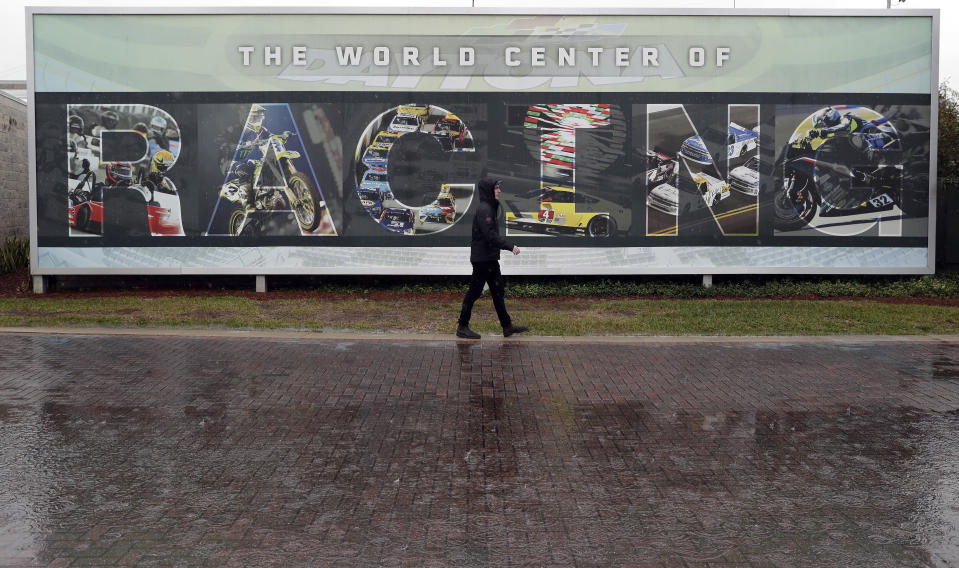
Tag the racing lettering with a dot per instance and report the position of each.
(673, 140)
(430, 128)
(557, 124)
(118, 159)
(270, 187)
(842, 171)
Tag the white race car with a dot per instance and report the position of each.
(745, 178)
(665, 198)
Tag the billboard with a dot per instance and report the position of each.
(244, 142)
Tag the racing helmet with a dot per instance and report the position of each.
(158, 125)
(828, 117)
(243, 170)
(141, 128)
(257, 114)
(75, 124)
(110, 119)
(161, 162)
(119, 173)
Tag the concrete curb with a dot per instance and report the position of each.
(386, 336)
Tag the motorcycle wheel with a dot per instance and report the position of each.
(796, 208)
(305, 202)
(237, 221)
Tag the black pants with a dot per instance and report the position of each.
(486, 273)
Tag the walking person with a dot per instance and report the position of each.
(484, 256)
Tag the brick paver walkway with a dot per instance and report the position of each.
(224, 451)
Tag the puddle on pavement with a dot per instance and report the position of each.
(945, 369)
(879, 486)
(468, 466)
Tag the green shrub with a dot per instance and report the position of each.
(14, 255)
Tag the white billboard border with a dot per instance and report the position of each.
(39, 272)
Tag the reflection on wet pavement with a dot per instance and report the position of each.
(160, 451)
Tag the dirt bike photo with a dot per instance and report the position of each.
(270, 183)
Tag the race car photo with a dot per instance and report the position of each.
(660, 168)
(711, 188)
(441, 210)
(745, 178)
(738, 140)
(409, 118)
(558, 214)
(397, 219)
(372, 199)
(377, 155)
(665, 198)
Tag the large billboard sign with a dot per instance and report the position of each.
(350, 143)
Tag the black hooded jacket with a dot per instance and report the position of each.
(487, 242)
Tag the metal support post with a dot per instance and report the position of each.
(707, 280)
(261, 283)
(39, 284)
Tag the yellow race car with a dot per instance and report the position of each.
(557, 214)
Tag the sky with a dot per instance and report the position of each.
(13, 43)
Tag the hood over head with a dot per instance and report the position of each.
(485, 189)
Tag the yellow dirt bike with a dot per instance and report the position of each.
(265, 184)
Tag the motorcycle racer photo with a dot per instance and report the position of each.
(843, 171)
(269, 187)
(829, 122)
(251, 151)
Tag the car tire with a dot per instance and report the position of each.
(83, 218)
(600, 226)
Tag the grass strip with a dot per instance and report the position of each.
(545, 316)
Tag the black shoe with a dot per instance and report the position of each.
(466, 333)
(508, 331)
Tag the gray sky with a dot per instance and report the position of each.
(13, 43)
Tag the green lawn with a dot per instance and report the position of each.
(436, 313)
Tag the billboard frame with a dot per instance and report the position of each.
(510, 267)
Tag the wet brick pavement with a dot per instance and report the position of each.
(223, 451)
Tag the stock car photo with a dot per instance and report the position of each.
(450, 131)
(393, 177)
(665, 198)
(660, 168)
(409, 118)
(558, 214)
(375, 179)
(441, 210)
(739, 140)
(745, 178)
(372, 198)
(712, 189)
(398, 220)
(377, 154)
